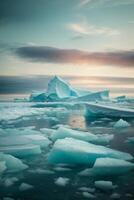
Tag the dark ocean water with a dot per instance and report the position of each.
(44, 187)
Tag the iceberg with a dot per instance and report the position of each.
(100, 110)
(73, 151)
(108, 166)
(59, 89)
(38, 97)
(62, 181)
(12, 164)
(121, 124)
(63, 132)
(104, 185)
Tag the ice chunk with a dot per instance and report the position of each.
(62, 181)
(10, 181)
(104, 185)
(64, 132)
(87, 189)
(121, 124)
(62, 169)
(39, 140)
(41, 171)
(73, 151)
(38, 97)
(99, 109)
(25, 186)
(108, 166)
(8, 198)
(88, 195)
(130, 139)
(115, 196)
(13, 164)
(2, 166)
(59, 89)
(21, 150)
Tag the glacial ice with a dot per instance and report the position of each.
(25, 186)
(62, 181)
(73, 151)
(121, 124)
(12, 164)
(104, 185)
(108, 166)
(64, 132)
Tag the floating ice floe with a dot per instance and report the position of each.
(121, 124)
(108, 166)
(21, 150)
(99, 109)
(115, 196)
(62, 181)
(25, 186)
(88, 195)
(87, 189)
(73, 151)
(104, 185)
(130, 140)
(64, 132)
(12, 164)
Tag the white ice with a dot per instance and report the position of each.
(121, 124)
(62, 181)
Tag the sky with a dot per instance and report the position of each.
(67, 37)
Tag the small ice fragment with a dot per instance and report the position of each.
(121, 124)
(25, 186)
(10, 181)
(104, 185)
(62, 169)
(8, 198)
(130, 140)
(62, 181)
(115, 196)
(87, 189)
(88, 195)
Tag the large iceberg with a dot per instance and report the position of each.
(73, 151)
(60, 90)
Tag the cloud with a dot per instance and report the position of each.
(74, 56)
(87, 30)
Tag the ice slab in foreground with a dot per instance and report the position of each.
(73, 151)
(121, 124)
(64, 132)
(97, 109)
(12, 164)
(108, 166)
